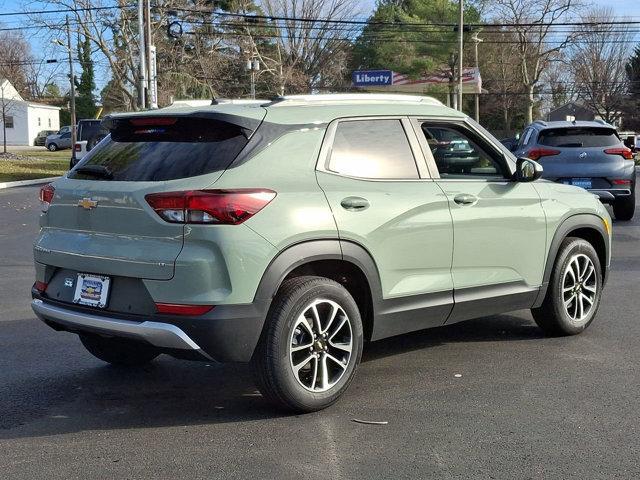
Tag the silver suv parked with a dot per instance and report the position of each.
(585, 154)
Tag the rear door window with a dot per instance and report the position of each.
(372, 149)
(181, 147)
(579, 137)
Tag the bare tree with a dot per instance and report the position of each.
(559, 82)
(39, 75)
(305, 55)
(15, 57)
(500, 76)
(112, 33)
(598, 62)
(537, 42)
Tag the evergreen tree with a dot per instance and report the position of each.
(631, 117)
(411, 49)
(85, 101)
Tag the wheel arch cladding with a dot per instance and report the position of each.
(347, 263)
(586, 226)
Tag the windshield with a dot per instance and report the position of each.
(181, 147)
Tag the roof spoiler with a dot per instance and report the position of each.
(248, 124)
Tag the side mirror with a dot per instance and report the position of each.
(527, 170)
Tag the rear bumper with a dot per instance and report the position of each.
(610, 195)
(161, 335)
(226, 334)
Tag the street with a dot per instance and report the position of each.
(489, 398)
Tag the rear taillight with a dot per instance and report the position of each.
(623, 151)
(536, 153)
(41, 287)
(77, 147)
(181, 309)
(621, 181)
(46, 196)
(220, 207)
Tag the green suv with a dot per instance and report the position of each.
(289, 233)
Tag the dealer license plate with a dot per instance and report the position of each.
(581, 182)
(91, 290)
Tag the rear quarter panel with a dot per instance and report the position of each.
(300, 210)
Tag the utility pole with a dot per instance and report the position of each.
(143, 62)
(72, 81)
(476, 41)
(3, 105)
(253, 65)
(152, 94)
(460, 51)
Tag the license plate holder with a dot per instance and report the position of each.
(580, 182)
(92, 290)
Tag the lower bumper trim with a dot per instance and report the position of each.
(161, 335)
(610, 195)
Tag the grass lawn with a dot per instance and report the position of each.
(31, 164)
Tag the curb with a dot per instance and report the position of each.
(24, 183)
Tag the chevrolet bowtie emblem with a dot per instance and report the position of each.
(87, 203)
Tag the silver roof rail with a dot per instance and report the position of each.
(238, 101)
(540, 122)
(351, 97)
(216, 101)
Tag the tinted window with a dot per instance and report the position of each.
(459, 154)
(91, 131)
(579, 137)
(372, 149)
(186, 148)
(527, 136)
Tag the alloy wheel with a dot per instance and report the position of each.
(579, 287)
(320, 345)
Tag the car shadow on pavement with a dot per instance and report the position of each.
(496, 328)
(88, 395)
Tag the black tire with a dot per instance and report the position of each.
(624, 208)
(118, 351)
(52, 147)
(273, 360)
(552, 316)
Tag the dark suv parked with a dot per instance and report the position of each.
(585, 154)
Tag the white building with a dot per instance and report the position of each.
(24, 119)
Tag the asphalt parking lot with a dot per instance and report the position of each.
(525, 406)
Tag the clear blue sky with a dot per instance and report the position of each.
(41, 47)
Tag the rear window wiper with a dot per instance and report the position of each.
(98, 171)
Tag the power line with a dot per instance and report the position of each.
(335, 21)
(62, 10)
(404, 24)
(392, 39)
(396, 28)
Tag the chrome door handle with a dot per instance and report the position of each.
(354, 204)
(465, 199)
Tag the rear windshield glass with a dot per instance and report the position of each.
(579, 137)
(170, 149)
